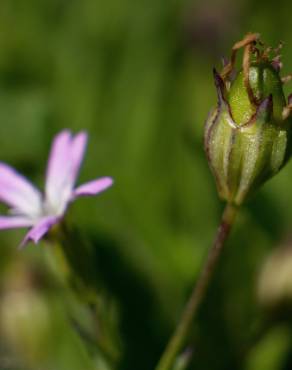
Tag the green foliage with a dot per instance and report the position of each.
(137, 76)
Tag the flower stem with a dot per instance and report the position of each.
(75, 254)
(182, 330)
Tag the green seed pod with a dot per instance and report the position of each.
(248, 134)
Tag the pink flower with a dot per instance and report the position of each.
(29, 207)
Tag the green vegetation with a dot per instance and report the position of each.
(138, 76)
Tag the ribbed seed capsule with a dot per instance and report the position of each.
(248, 134)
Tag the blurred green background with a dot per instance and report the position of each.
(137, 75)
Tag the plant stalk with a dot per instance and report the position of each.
(181, 332)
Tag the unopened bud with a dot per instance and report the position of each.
(248, 134)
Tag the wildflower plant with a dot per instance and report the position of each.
(71, 252)
(247, 141)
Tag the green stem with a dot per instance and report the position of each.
(76, 257)
(182, 330)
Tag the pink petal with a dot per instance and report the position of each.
(63, 167)
(18, 192)
(11, 222)
(57, 164)
(93, 187)
(77, 153)
(39, 230)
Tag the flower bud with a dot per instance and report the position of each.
(248, 134)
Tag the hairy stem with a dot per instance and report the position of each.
(77, 259)
(182, 330)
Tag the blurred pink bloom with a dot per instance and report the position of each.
(29, 207)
